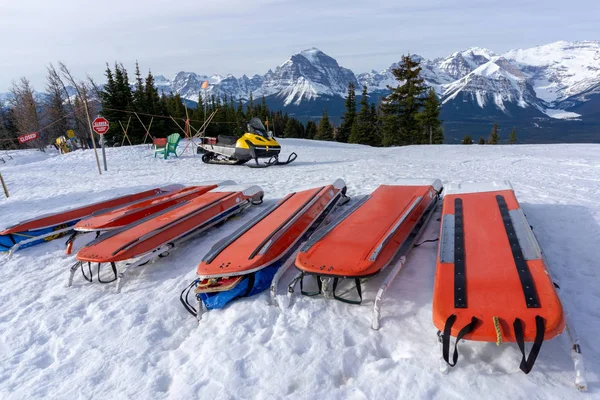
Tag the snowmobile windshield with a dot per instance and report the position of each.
(256, 127)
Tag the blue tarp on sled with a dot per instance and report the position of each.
(262, 281)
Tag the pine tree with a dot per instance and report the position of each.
(311, 129)
(250, 107)
(375, 126)
(349, 115)
(513, 137)
(362, 130)
(325, 130)
(116, 98)
(494, 137)
(390, 130)
(467, 140)
(481, 140)
(139, 98)
(264, 111)
(429, 118)
(290, 129)
(404, 102)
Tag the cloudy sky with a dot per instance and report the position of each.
(251, 36)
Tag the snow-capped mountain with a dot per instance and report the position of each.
(461, 63)
(541, 81)
(559, 70)
(304, 76)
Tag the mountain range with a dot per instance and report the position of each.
(549, 93)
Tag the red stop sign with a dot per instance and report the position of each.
(100, 125)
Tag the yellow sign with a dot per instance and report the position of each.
(71, 133)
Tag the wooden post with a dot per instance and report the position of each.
(4, 185)
(125, 132)
(147, 129)
(87, 113)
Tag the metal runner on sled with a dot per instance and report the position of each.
(252, 258)
(376, 232)
(158, 234)
(492, 283)
(55, 225)
(107, 220)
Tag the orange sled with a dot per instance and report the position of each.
(122, 216)
(53, 226)
(262, 243)
(154, 236)
(492, 283)
(377, 231)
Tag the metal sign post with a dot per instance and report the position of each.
(103, 152)
(100, 126)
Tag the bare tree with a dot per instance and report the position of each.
(56, 105)
(83, 98)
(85, 106)
(26, 109)
(8, 136)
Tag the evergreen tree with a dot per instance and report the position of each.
(250, 107)
(390, 130)
(375, 126)
(429, 118)
(404, 102)
(311, 129)
(139, 98)
(349, 115)
(290, 129)
(116, 98)
(362, 130)
(264, 111)
(153, 106)
(325, 130)
(467, 140)
(239, 119)
(494, 137)
(481, 140)
(513, 137)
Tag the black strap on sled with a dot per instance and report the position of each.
(251, 279)
(319, 286)
(91, 277)
(358, 289)
(527, 362)
(460, 279)
(184, 299)
(446, 338)
(527, 283)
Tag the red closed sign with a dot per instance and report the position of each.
(28, 138)
(100, 125)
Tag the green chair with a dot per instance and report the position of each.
(170, 147)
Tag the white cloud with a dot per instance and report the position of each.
(237, 36)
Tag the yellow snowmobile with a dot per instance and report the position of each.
(254, 144)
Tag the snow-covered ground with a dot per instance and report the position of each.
(89, 342)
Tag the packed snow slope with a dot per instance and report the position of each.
(89, 342)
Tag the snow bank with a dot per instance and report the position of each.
(89, 342)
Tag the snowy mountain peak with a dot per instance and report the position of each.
(313, 54)
(561, 69)
(461, 63)
(558, 75)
